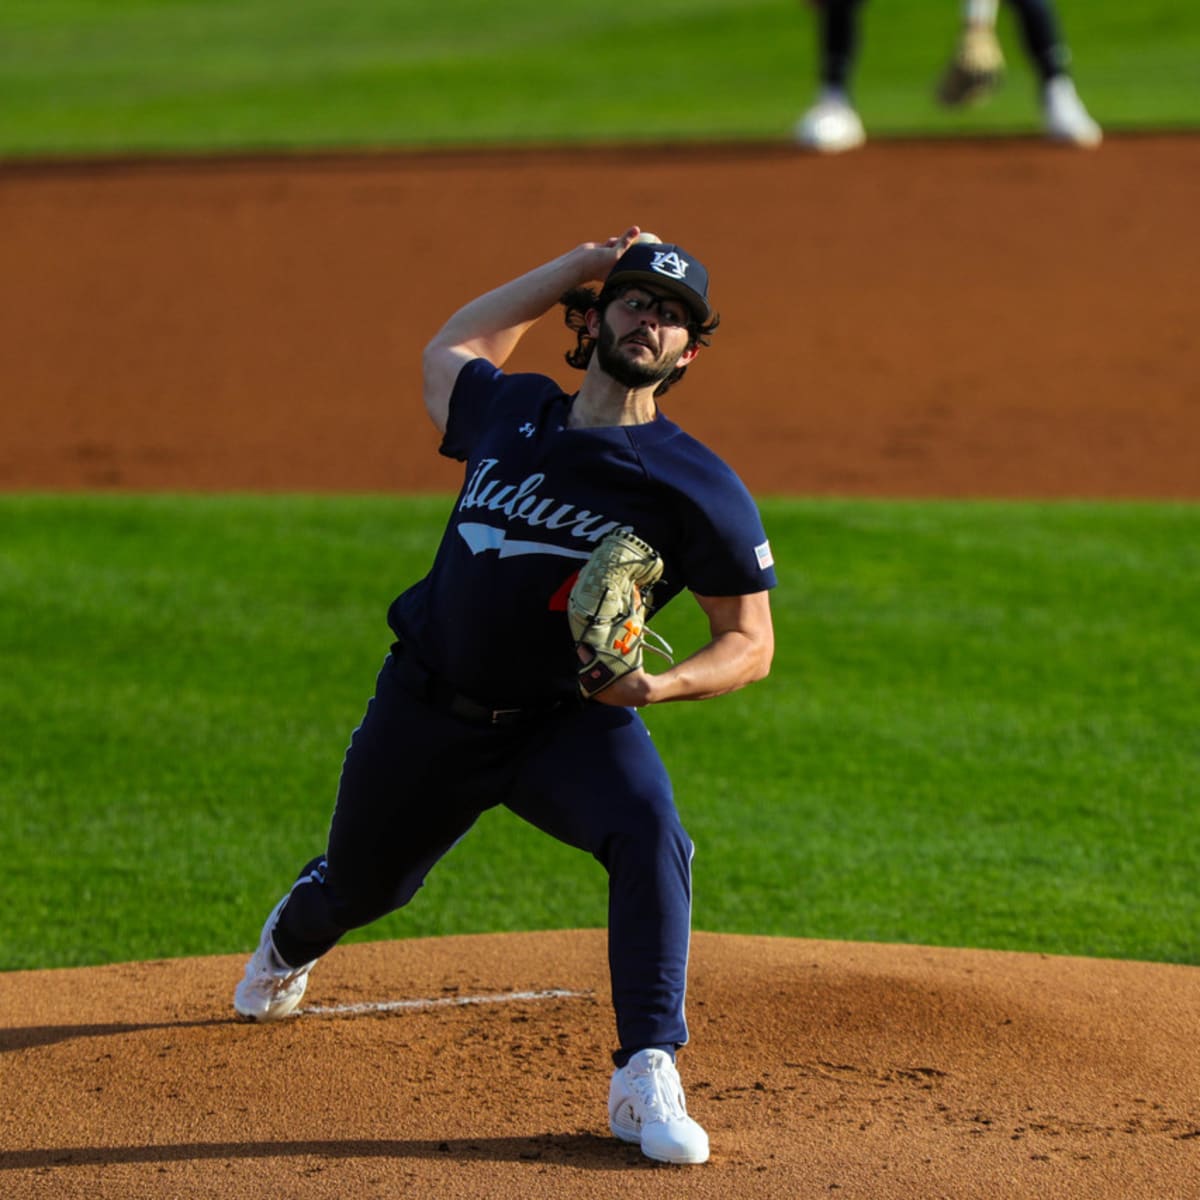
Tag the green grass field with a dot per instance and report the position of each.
(982, 729)
(112, 76)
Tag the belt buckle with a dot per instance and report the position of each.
(499, 715)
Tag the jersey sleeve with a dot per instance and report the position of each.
(481, 392)
(726, 551)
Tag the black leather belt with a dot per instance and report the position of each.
(464, 707)
(439, 694)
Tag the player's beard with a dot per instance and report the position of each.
(627, 372)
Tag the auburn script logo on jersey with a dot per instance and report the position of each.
(524, 503)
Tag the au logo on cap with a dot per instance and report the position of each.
(669, 263)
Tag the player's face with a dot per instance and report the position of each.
(642, 337)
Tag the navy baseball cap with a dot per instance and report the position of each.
(668, 267)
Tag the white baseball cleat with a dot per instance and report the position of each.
(1064, 117)
(270, 989)
(831, 126)
(646, 1107)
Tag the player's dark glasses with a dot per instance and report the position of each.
(671, 312)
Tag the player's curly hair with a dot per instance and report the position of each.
(579, 300)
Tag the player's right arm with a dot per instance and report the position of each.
(740, 653)
(491, 325)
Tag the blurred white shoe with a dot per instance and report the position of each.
(831, 125)
(1064, 116)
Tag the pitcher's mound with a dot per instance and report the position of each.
(478, 1067)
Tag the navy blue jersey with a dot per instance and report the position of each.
(536, 499)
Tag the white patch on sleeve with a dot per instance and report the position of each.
(763, 554)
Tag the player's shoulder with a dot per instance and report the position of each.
(479, 376)
(484, 396)
(670, 452)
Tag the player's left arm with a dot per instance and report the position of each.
(740, 652)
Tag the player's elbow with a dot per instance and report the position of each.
(760, 660)
(757, 655)
(440, 364)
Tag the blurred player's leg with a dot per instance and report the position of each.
(1064, 117)
(832, 125)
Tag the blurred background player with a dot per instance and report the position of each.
(833, 125)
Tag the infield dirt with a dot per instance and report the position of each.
(997, 319)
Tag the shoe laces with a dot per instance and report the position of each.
(277, 974)
(659, 1092)
(289, 977)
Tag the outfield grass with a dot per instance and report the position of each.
(982, 729)
(105, 76)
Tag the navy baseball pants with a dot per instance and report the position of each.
(840, 36)
(414, 781)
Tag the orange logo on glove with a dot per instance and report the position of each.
(625, 644)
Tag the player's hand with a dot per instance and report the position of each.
(630, 691)
(600, 257)
(623, 241)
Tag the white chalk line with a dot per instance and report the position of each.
(339, 1010)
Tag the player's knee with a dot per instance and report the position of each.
(657, 836)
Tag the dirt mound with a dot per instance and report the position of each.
(478, 1066)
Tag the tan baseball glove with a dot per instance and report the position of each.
(607, 610)
(975, 70)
